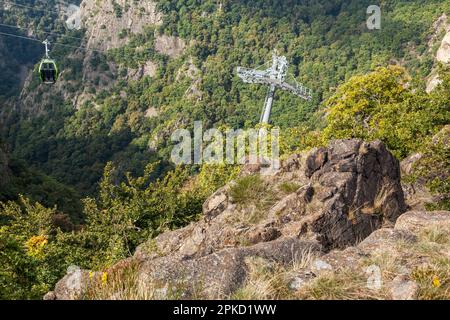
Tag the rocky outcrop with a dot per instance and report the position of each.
(147, 69)
(443, 53)
(218, 275)
(440, 26)
(344, 193)
(398, 247)
(73, 14)
(415, 221)
(108, 25)
(168, 45)
(337, 196)
(357, 189)
(106, 21)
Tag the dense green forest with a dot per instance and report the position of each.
(87, 185)
(325, 41)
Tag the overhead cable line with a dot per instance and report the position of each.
(55, 44)
(29, 7)
(20, 37)
(46, 32)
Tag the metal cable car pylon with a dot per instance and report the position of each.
(275, 77)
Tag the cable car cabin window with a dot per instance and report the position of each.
(48, 75)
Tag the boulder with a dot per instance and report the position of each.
(415, 221)
(401, 288)
(407, 164)
(218, 275)
(337, 260)
(384, 240)
(72, 286)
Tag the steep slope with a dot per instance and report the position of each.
(109, 24)
(441, 26)
(173, 61)
(276, 245)
(327, 198)
(17, 180)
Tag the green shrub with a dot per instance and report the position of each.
(248, 189)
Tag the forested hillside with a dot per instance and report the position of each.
(77, 147)
(325, 41)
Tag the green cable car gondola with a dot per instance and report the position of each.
(48, 70)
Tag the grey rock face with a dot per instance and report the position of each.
(359, 190)
(218, 275)
(338, 196)
(402, 288)
(383, 239)
(415, 221)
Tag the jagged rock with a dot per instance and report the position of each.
(358, 189)
(337, 260)
(433, 81)
(343, 193)
(354, 190)
(401, 288)
(147, 69)
(151, 112)
(171, 46)
(73, 285)
(416, 190)
(105, 26)
(315, 161)
(73, 21)
(415, 221)
(443, 53)
(219, 274)
(263, 234)
(416, 193)
(216, 203)
(407, 164)
(382, 239)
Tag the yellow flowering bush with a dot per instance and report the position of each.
(35, 245)
(104, 278)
